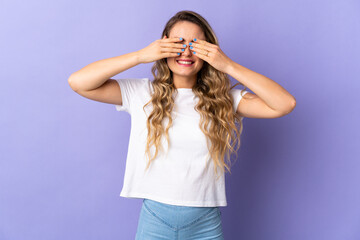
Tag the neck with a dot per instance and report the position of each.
(184, 81)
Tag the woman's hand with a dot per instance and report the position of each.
(160, 48)
(215, 56)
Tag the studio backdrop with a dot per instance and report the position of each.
(62, 156)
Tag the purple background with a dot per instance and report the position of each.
(63, 156)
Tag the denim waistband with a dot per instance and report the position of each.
(178, 217)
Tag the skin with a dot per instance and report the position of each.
(185, 77)
(270, 100)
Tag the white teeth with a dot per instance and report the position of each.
(184, 62)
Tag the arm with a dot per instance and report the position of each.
(97, 73)
(270, 99)
(92, 81)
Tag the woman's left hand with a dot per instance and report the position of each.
(215, 56)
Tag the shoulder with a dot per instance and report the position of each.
(237, 93)
(133, 81)
(134, 84)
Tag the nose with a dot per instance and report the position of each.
(187, 51)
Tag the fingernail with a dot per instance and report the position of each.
(180, 38)
(184, 45)
(194, 39)
(182, 49)
(191, 47)
(194, 52)
(178, 53)
(190, 43)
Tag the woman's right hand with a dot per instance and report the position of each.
(161, 48)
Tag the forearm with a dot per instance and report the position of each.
(273, 94)
(95, 74)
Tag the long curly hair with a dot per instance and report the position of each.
(218, 121)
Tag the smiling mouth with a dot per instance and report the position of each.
(185, 63)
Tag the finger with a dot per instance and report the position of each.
(174, 39)
(201, 50)
(201, 54)
(174, 45)
(175, 50)
(170, 54)
(203, 43)
(200, 46)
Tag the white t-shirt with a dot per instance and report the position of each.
(177, 175)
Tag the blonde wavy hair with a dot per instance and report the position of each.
(215, 103)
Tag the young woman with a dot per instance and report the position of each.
(183, 124)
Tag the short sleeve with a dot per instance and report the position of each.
(237, 96)
(129, 88)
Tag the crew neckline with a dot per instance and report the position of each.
(185, 89)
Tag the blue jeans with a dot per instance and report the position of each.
(159, 221)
